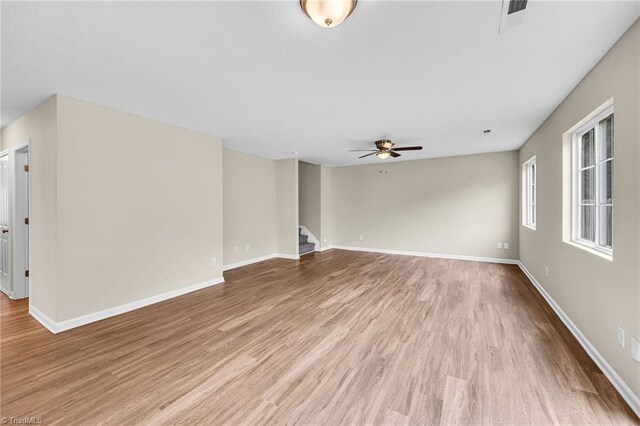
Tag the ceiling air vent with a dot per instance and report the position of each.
(516, 6)
(513, 14)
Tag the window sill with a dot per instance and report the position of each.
(605, 256)
(533, 228)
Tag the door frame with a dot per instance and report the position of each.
(9, 290)
(21, 287)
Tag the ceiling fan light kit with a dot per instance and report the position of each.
(385, 149)
(328, 13)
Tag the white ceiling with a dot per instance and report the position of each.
(266, 79)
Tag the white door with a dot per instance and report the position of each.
(5, 282)
(20, 229)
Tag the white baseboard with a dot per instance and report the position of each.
(57, 327)
(47, 322)
(623, 389)
(8, 293)
(423, 254)
(325, 248)
(259, 259)
(288, 256)
(248, 262)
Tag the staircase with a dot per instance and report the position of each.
(304, 245)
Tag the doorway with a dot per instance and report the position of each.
(5, 279)
(14, 222)
(20, 235)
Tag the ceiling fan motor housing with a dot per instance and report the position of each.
(384, 144)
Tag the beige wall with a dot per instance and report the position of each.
(287, 207)
(139, 208)
(326, 206)
(39, 126)
(123, 208)
(455, 205)
(310, 197)
(249, 184)
(597, 294)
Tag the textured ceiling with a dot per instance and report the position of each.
(267, 80)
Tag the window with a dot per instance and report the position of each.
(529, 193)
(592, 206)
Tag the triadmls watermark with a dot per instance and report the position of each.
(26, 420)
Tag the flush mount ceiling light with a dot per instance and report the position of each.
(328, 13)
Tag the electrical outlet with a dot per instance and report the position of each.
(361, 238)
(214, 261)
(506, 246)
(635, 349)
(325, 240)
(546, 271)
(499, 245)
(248, 247)
(621, 336)
(236, 249)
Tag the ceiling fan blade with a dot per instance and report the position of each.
(394, 154)
(362, 150)
(408, 148)
(366, 155)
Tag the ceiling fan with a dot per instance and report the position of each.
(385, 149)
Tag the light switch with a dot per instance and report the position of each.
(621, 336)
(635, 349)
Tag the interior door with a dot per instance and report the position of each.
(5, 282)
(20, 229)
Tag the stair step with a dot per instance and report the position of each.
(306, 248)
(303, 239)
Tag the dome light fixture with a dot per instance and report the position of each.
(383, 154)
(328, 13)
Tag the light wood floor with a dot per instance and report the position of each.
(336, 338)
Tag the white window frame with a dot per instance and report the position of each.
(529, 192)
(576, 168)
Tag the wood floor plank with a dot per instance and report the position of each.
(455, 407)
(338, 337)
